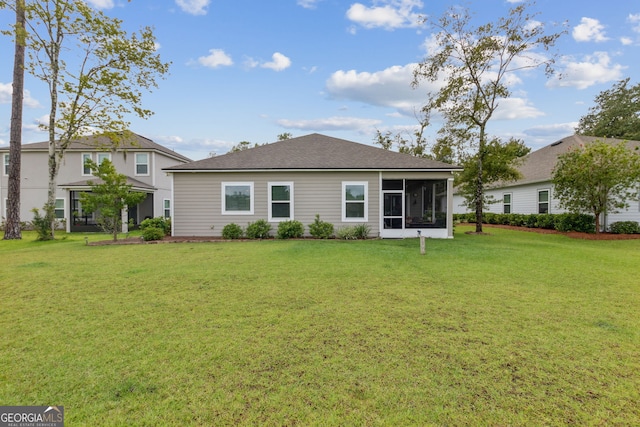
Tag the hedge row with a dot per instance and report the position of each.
(561, 222)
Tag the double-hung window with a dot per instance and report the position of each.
(59, 211)
(506, 203)
(280, 201)
(86, 170)
(354, 201)
(237, 198)
(167, 208)
(142, 163)
(102, 157)
(543, 201)
(5, 162)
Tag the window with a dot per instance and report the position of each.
(506, 203)
(5, 170)
(167, 208)
(59, 211)
(142, 163)
(354, 201)
(103, 156)
(280, 201)
(86, 170)
(543, 201)
(237, 198)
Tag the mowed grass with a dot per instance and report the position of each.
(513, 328)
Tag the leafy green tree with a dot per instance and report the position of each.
(615, 115)
(95, 72)
(284, 136)
(12, 229)
(241, 146)
(598, 178)
(474, 64)
(109, 196)
(500, 161)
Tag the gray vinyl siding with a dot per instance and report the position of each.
(198, 199)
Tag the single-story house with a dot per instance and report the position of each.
(345, 182)
(139, 158)
(534, 192)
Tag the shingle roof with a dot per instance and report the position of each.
(538, 165)
(313, 152)
(134, 143)
(136, 184)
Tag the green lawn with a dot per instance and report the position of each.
(514, 328)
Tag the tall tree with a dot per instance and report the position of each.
(615, 115)
(109, 195)
(97, 85)
(474, 64)
(598, 178)
(12, 229)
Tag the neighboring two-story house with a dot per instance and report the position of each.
(139, 158)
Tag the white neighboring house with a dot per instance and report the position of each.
(139, 158)
(534, 192)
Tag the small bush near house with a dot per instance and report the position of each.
(290, 230)
(232, 231)
(258, 230)
(576, 222)
(362, 231)
(625, 227)
(321, 229)
(163, 224)
(41, 223)
(346, 233)
(153, 233)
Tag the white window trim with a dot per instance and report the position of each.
(510, 204)
(224, 198)
(147, 163)
(108, 156)
(5, 164)
(64, 207)
(344, 201)
(548, 200)
(164, 209)
(277, 184)
(82, 159)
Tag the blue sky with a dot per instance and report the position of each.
(249, 70)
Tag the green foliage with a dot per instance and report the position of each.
(615, 115)
(562, 222)
(320, 229)
(259, 229)
(599, 177)
(232, 231)
(360, 231)
(150, 233)
(109, 196)
(625, 227)
(290, 230)
(162, 223)
(42, 223)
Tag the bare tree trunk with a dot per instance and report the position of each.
(479, 182)
(12, 227)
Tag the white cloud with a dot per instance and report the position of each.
(552, 129)
(6, 90)
(330, 123)
(589, 30)
(391, 14)
(635, 20)
(626, 41)
(194, 7)
(101, 4)
(516, 108)
(387, 88)
(216, 58)
(196, 149)
(596, 68)
(279, 62)
(308, 4)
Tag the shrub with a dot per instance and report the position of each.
(576, 222)
(625, 227)
(232, 231)
(362, 231)
(346, 233)
(320, 229)
(41, 223)
(258, 230)
(163, 224)
(152, 233)
(290, 229)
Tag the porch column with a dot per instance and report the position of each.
(450, 208)
(125, 220)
